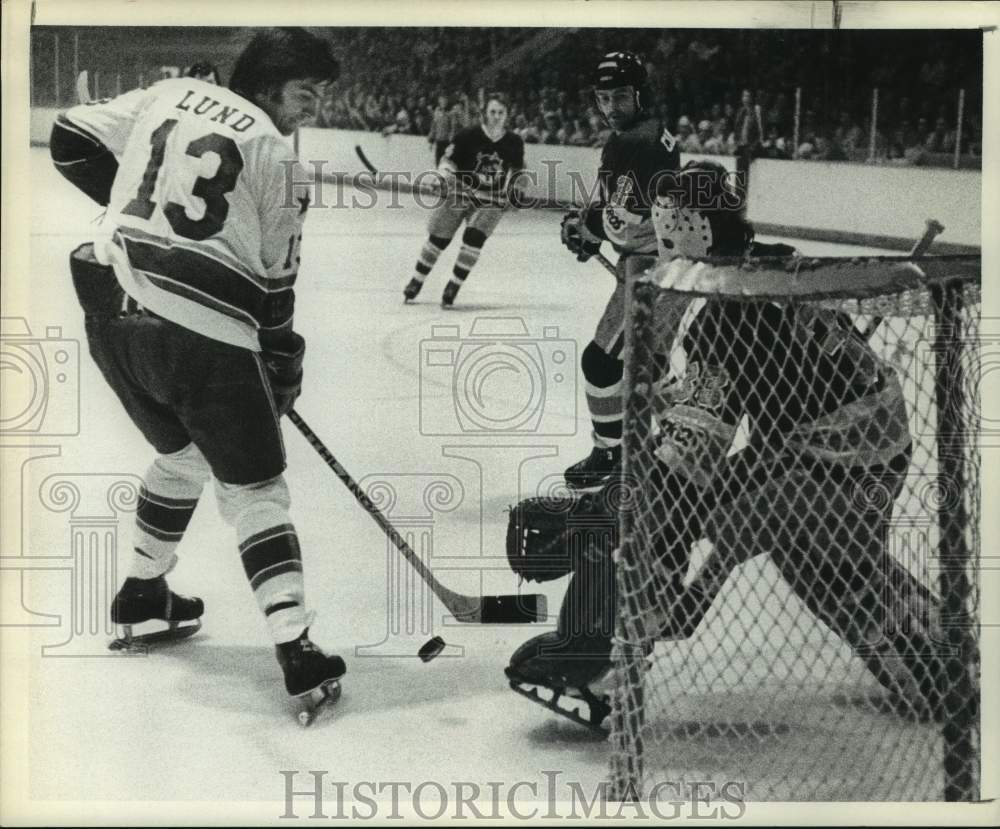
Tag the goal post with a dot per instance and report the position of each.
(799, 615)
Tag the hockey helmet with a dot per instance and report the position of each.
(618, 69)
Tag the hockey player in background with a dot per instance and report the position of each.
(204, 71)
(188, 300)
(639, 152)
(480, 169)
(814, 487)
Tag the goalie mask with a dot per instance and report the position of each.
(699, 212)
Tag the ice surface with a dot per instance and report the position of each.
(209, 719)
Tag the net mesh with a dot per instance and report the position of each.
(797, 579)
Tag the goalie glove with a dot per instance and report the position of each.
(547, 536)
(284, 371)
(577, 237)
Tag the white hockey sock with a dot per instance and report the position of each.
(273, 564)
(167, 500)
(269, 550)
(160, 525)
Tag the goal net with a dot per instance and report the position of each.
(798, 572)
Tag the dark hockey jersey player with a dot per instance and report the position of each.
(632, 163)
(482, 164)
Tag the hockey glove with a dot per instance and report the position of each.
(86, 163)
(284, 371)
(547, 536)
(577, 237)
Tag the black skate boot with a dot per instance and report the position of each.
(412, 289)
(310, 674)
(143, 600)
(450, 292)
(558, 671)
(594, 470)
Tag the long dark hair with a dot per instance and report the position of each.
(276, 56)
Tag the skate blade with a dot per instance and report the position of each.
(595, 710)
(318, 701)
(140, 644)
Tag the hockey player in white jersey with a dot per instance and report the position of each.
(188, 298)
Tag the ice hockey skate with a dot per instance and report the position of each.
(144, 600)
(412, 289)
(450, 292)
(311, 676)
(595, 469)
(565, 675)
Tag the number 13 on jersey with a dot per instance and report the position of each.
(212, 190)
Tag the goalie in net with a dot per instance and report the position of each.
(811, 483)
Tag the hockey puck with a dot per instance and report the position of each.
(431, 648)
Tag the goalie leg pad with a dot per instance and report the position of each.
(855, 587)
(578, 652)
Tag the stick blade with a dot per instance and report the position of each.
(514, 609)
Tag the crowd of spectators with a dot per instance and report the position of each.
(715, 89)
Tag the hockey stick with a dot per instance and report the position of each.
(933, 228)
(477, 198)
(606, 264)
(600, 257)
(486, 610)
(364, 160)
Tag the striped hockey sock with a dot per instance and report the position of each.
(607, 413)
(429, 254)
(160, 525)
(604, 371)
(272, 561)
(467, 258)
